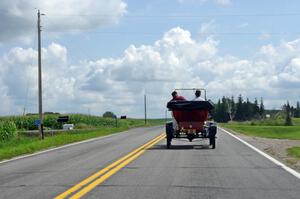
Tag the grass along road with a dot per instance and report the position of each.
(27, 144)
(294, 151)
(277, 132)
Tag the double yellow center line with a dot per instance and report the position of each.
(88, 184)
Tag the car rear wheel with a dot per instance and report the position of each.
(212, 142)
(168, 143)
(169, 133)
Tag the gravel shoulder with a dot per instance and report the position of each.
(277, 148)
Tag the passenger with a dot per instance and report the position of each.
(197, 96)
(177, 97)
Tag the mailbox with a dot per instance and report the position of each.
(63, 119)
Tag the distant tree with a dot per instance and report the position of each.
(297, 110)
(288, 119)
(248, 112)
(255, 108)
(262, 108)
(109, 114)
(216, 111)
(292, 111)
(239, 115)
(220, 113)
(225, 109)
(232, 108)
(51, 113)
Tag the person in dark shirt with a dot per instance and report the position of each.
(177, 97)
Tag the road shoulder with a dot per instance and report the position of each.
(277, 148)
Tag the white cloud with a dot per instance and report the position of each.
(264, 36)
(118, 84)
(18, 21)
(220, 2)
(207, 28)
(224, 2)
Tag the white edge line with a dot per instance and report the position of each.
(288, 169)
(60, 147)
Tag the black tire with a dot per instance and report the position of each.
(169, 134)
(168, 143)
(212, 142)
(212, 131)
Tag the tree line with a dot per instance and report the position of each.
(294, 111)
(226, 109)
(290, 112)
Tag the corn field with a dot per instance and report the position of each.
(79, 120)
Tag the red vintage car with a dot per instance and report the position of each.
(191, 121)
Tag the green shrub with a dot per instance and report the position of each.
(294, 151)
(82, 126)
(109, 114)
(8, 130)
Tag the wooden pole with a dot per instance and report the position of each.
(40, 77)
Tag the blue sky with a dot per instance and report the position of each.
(237, 26)
(247, 47)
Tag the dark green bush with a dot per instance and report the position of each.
(8, 130)
(109, 114)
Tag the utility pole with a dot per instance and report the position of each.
(145, 106)
(41, 131)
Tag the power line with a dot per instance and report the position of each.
(180, 15)
(159, 33)
(27, 83)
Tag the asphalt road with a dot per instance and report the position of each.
(188, 170)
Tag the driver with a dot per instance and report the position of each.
(177, 97)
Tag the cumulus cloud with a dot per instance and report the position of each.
(119, 84)
(207, 28)
(18, 18)
(264, 36)
(220, 2)
(224, 2)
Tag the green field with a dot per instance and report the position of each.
(294, 152)
(90, 127)
(278, 132)
(266, 131)
(80, 121)
(267, 122)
